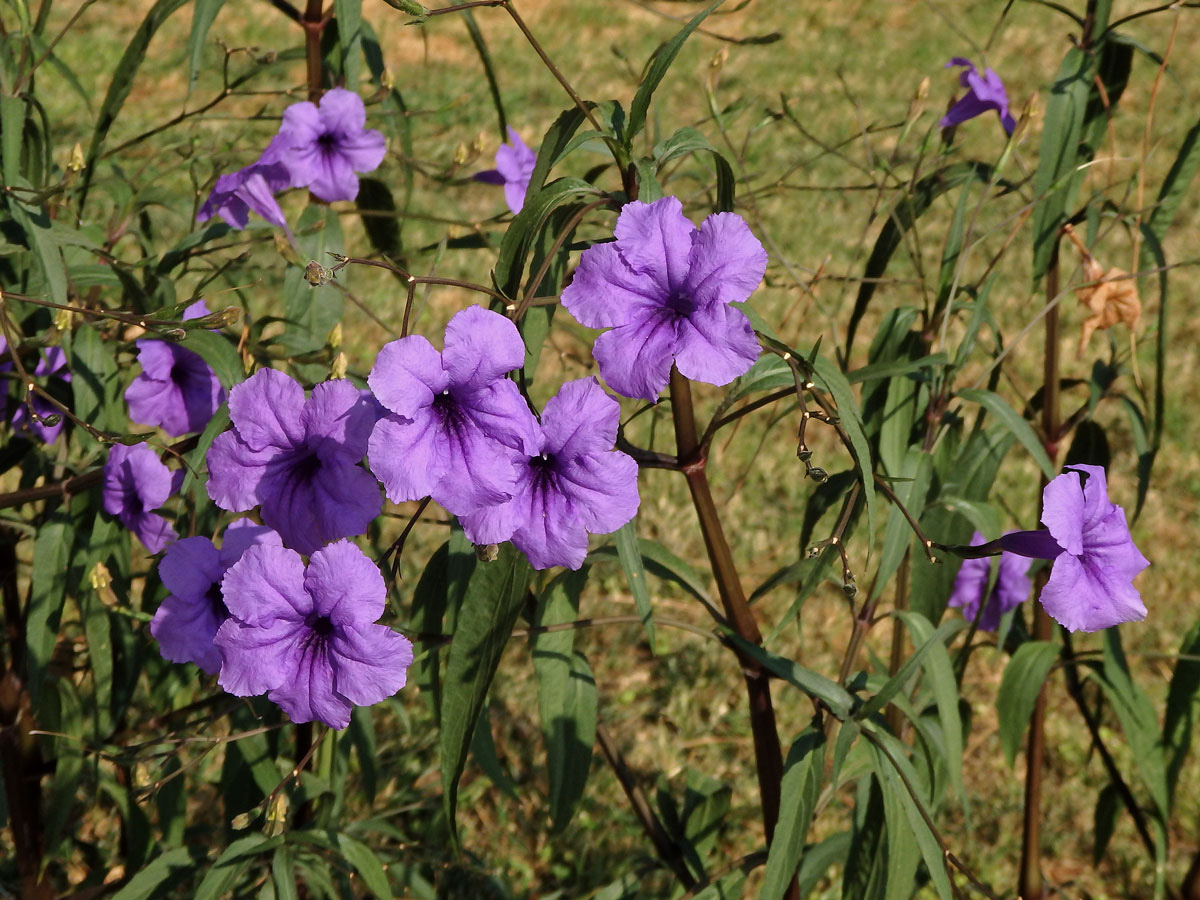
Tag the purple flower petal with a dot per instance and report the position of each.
(716, 344)
(407, 375)
(605, 292)
(266, 410)
(1063, 511)
(727, 262)
(266, 584)
(371, 663)
(256, 658)
(635, 359)
(337, 421)
(408, 456)
(345, 585)
(135, 482)
(235, 472)
(655, 240)
(580, 419)
(311, 502)
(480, 347)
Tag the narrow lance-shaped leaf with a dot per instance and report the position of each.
(483, 626)
(1019, 687)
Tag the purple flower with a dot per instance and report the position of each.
(176, 390)
(573, 484)
(1095, 559)
(53, 364)
(251, 189)
(1009, 592)
(187, 621)
(984, 92)
(454, 416)
(296, 458)
(136, 481)
(514, 166)
(324, 146)
(308, 635)
(664, 288)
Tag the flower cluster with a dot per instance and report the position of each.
(176, 390)
(317, 147)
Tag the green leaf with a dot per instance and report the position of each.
(660, 63)
(630, 555)
(428, 611)
(526, 226)
(312, 311)
(799, 790)
(894, 685)
(367, 864)
(1138, 720)
(283, 875)
(1175, 185)
(940, 672)
(566, 697)
(122, 84)
(916, 470)
(848, 413)
(1179, 721)
(219, 879)
(897, 777)
(96, 387)
(52, 555)
(196, 467)
(203, 14)
(12, 131)
(378, 209)
(817, 859)
(216, 350)
(1059, 155)
(493, 599)
(1108, 807)
(833, 695)
(348, 14)
(489, 70)
(1019, 687)
(1012, 420)
(166, 868)
(689, 140)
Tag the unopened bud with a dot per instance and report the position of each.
(719, 58)
(922, 90)
(461, 154)
(819, 475)
(62, 320)
(76, 163)
(337, 369)
(409, 6)
(387, 79)
(335, 336)
(850, 589)
(229, 315)
(100, 578)
(175, 334)
(804, 455)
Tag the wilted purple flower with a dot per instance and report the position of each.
(1095, 559)
(251, 189)
(135, 482)
(664, 288)
(296, 458)
(53, 364)
(1009, 592)
(324, 146)
(455, 417)
(514, 166)
(187, 621)
(177, 389)
(984, 92)
(308, 635)
(573, 484)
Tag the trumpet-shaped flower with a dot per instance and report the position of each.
(1095, 559)
(664, 288)
(454, 417)
(251, 189)
(308, 635)
(984, 92)
(515, 162)
(187, 621)
(177, 390)
(296, 458)
(1009, 592)
(574, 483)
(323, 146)
(135, 482)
